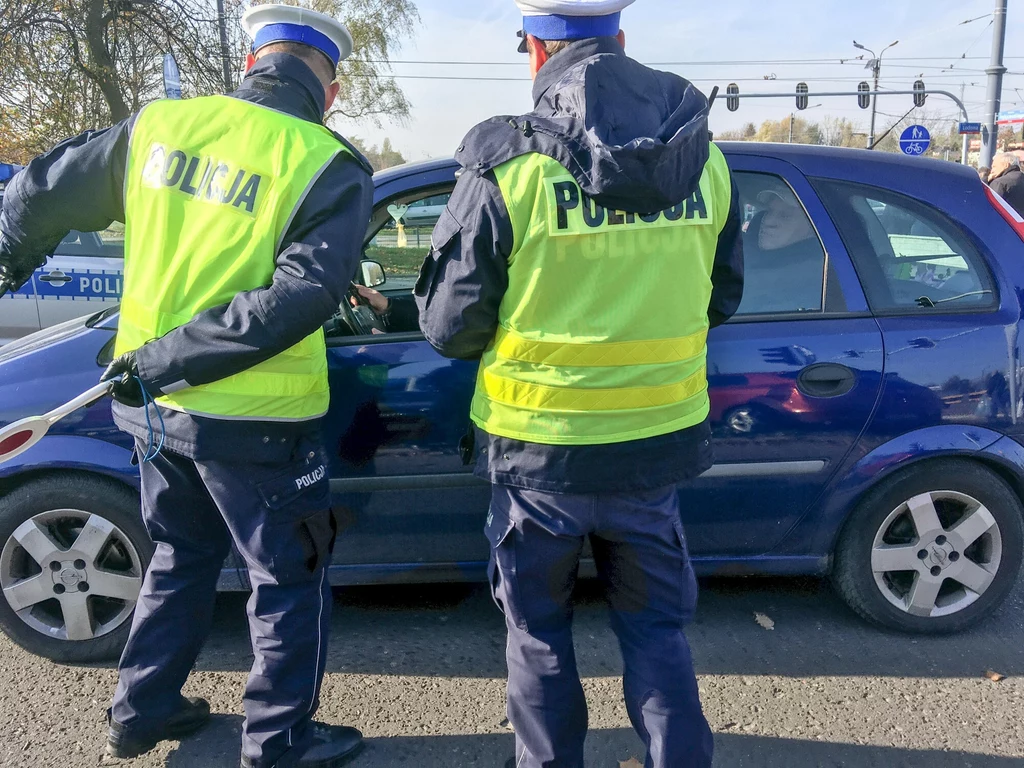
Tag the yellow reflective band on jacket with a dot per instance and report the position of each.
(211, 187)
(603, 328)
(539, 397)
(511, 346)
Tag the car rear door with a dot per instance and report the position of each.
(83, 276)
(925, 248)
(793, 377)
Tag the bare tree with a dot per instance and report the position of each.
(70, 65)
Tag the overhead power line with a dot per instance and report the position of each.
(947, 79)
(736, 62)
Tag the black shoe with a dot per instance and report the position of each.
(332, 746)
(123, 744)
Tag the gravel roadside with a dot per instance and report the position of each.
(420, 670)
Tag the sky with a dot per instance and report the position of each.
(709, 43)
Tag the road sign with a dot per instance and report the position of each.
(172, 78)
(1009, 118)
(970, 128)
(915, 140)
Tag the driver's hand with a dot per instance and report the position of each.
(378, 301)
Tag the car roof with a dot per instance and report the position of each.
(414, 169)
(810, 160)
(815, 160)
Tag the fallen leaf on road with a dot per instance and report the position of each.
(727, 726)
(764, 621)
(631, 763)
(995, 677)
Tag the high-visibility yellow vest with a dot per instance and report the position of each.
(602, 331)
(212, 185)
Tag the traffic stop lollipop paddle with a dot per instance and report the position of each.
(18, 437)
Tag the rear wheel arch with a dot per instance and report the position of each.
(853, 550)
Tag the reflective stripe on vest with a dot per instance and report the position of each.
(211, 187)
(603, 329)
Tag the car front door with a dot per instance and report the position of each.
(793, 377)
(19, 315)
(83, 276)
(398, 412)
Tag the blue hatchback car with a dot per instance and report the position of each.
(867, 408)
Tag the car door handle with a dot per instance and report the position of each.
(56, 278)
(826, 380)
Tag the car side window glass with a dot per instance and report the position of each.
(401, 235)
(910, 257)
(108, 243)
(784, 260)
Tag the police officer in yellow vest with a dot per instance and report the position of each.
(588, 247)
(244, 218)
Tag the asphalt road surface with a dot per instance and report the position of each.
(421, 671)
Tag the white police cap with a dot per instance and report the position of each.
(570, 19)
(572, 7)
(276, 23)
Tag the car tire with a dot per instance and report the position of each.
(900, 567)
(65, 608)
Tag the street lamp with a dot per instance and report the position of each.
(875, 65)
(792, 118)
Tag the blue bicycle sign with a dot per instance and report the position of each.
(915, 140)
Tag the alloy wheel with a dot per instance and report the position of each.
(70, 574)
(936, 553)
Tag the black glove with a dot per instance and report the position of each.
(127, 390)
(10, 280)
(14, 272)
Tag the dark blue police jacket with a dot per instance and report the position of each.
(643, 149)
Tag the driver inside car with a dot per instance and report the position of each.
(398, 315)
(784, 258)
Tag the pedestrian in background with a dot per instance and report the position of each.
(1007, 180)
(244, 217)
(586, 250)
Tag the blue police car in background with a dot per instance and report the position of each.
(867, 406)
(80, 278)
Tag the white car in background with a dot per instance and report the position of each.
(83, 275)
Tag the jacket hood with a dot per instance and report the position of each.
(635, 139)
(285, 83)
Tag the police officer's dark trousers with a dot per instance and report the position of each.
(638, 543)
(278, 516)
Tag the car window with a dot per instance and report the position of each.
(910, 256)
(400, 234)
(108, 243)
(784, 260)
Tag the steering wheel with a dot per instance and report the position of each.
(360, 320)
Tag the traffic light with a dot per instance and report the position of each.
(732, 97)
(863, 100)
(920, 94)
(801, 95)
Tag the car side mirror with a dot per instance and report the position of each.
(372, 273)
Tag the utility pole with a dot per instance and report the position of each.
(995, 71)
(792, 117)
(875, 65)
(225, 59)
